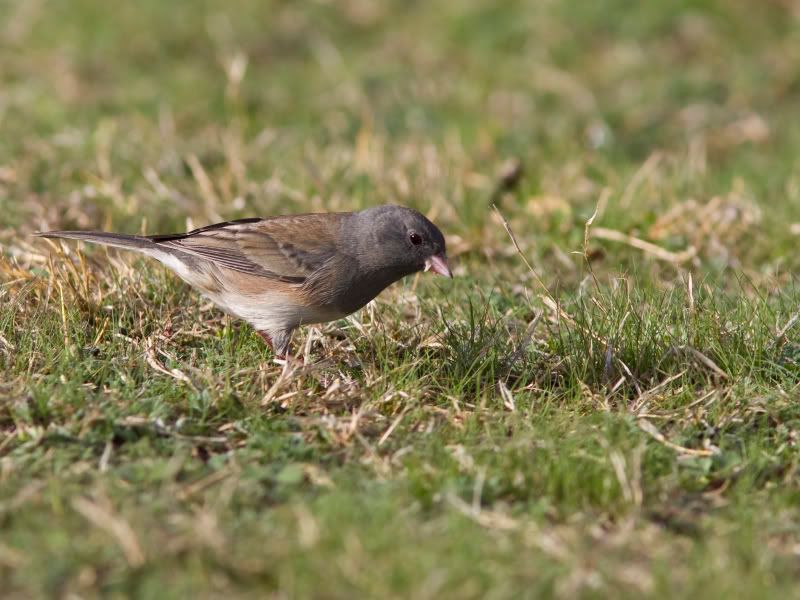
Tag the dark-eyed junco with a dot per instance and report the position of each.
(278, 273)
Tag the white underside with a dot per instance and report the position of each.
(272, 312)
(173, 263)
(269, 312)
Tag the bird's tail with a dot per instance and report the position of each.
(118, 240)
(179, 262)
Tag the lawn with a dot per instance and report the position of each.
(602, 403)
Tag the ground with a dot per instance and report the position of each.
(603, 402)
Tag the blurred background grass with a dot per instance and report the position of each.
(481, 450)
(324, 105)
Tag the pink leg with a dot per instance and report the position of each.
(265, 336)
(282, 351)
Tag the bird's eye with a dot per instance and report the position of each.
(415, 238)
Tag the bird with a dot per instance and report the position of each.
(279, 273)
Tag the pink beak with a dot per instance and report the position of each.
(438, 264)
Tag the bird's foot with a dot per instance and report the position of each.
(292, 361)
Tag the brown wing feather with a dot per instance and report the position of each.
(288, 248)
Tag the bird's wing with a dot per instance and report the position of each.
(288, 248)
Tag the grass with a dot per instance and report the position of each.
(605, 407)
